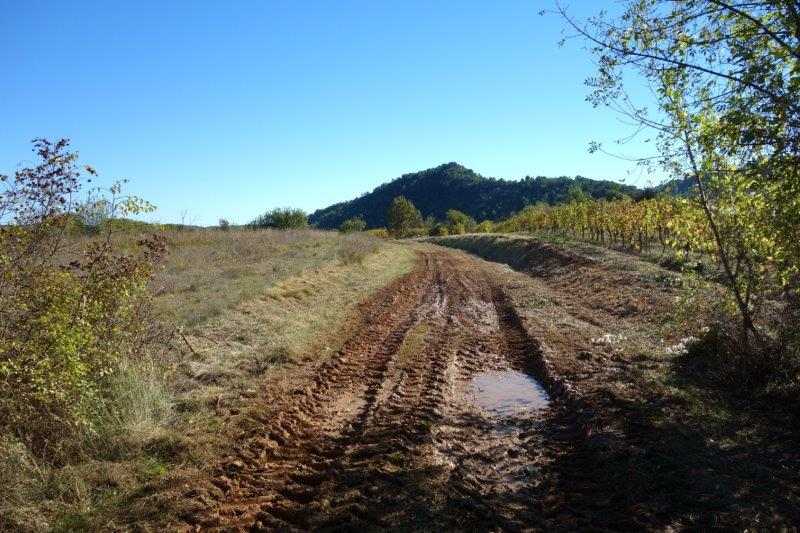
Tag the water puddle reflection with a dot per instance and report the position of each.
(508, 393)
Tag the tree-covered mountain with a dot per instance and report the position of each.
(677, 187)
(452, 186)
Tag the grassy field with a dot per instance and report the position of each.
(234, 308)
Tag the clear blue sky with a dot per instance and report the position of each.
(230, 108)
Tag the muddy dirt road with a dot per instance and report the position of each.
(404, 427)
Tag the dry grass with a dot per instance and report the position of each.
(356, 248)
(245, 303)
(208, 272)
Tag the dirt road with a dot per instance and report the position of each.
(401, 428)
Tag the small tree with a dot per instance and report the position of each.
(224, 224)
(725, 79)
(403, 217)
(352, 225)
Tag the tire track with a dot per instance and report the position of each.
(385, 434)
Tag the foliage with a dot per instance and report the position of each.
(439, 230)
(718, 360)
(403, 218)
(727, 80)
(64, 328)
(452, 186)
(487, 226)
(576, 194)
(224, 224)
(281, 218)
(458, 222)
(352, 225)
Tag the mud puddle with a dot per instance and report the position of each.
(508, 393)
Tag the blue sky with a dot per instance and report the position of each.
(225, 109)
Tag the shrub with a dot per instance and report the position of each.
(457, 229)
(124, 225)
(420, 231)
(722, 360)
(487, 226)
(224, 224)
(64, 328)
(440, 230)
(458, 222)
(281, 218)
(352, 225)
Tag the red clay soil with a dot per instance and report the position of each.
(387, 434)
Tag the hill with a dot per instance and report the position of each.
(677, 187)
(453, 186)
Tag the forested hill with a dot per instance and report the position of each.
(452, 186)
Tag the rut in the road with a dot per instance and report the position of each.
(385, 435)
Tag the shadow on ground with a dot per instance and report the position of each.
(658, 461)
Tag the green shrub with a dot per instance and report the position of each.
(459, 223)
(281, 218)
(352, 225)
(457, 229)
(440, 230)
(420, 231)
(487, 226)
